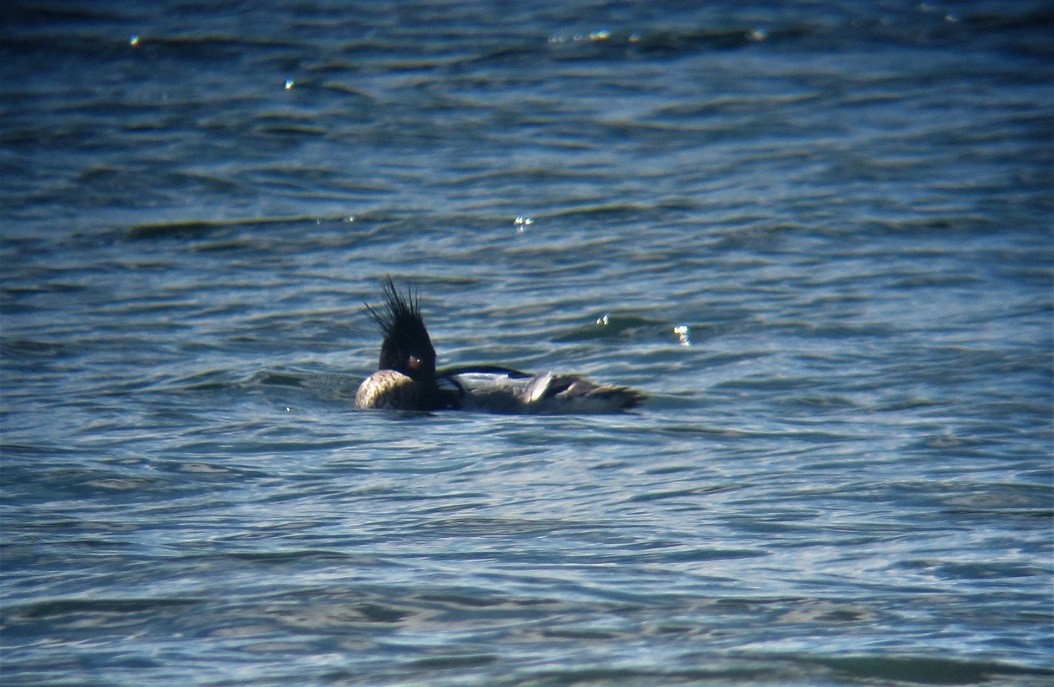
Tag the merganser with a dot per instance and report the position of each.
(407, 379)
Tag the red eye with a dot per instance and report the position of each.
(413, 362)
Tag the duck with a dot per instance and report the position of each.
(407, 379)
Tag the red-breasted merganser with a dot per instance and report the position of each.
(407, 378)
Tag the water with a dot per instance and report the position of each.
(817, 235)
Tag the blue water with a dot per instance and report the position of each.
(818, 235)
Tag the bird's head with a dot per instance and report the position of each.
(407, 347)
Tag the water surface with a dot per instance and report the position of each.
(818, 235)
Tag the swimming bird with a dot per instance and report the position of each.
(407, 378)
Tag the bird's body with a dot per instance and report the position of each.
(407, 378)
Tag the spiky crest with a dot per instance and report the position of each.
(407, 347)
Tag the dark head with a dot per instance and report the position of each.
(406, 347)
